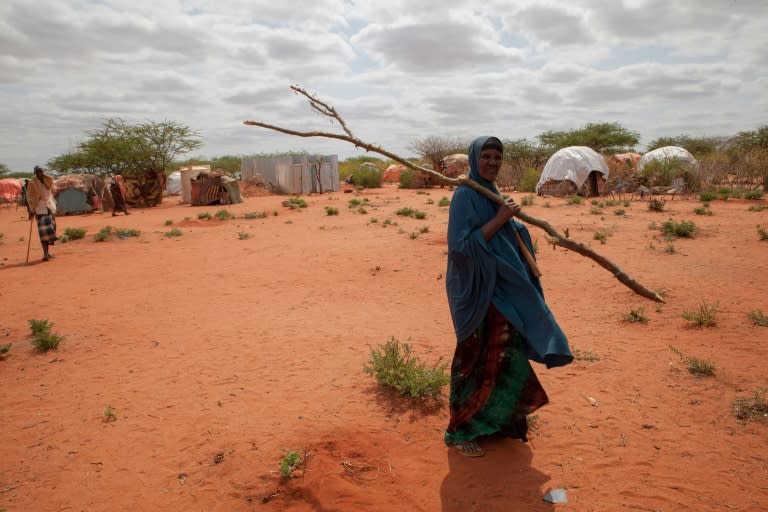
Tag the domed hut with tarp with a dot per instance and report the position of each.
(79, 193)
(668, 169)
(667, 153)
(573, 170)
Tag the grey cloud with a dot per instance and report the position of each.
(436, 48)
(553, 25)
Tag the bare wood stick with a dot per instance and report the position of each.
(555, 237)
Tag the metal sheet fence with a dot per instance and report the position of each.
(296, 174)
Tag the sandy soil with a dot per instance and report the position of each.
(218, 354)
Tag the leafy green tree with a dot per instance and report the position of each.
(4, 169)
(697, 146)
(602, 137)
(131, 150)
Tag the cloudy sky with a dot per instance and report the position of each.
(397, 74)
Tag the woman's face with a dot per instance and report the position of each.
(489, 164)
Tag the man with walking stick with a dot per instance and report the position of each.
(42, 206)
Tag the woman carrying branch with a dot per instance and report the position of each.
(499, 313)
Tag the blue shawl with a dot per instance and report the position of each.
(481, 273)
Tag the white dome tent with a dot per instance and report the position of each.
(573, 170)
(667, 153)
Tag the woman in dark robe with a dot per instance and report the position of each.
(499, 314)
(117, 189)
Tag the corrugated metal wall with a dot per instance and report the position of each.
(293, 174)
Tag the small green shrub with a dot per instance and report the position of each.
(103, 234)
(696, 366)
(636, 316)
(42, 338)
(700, 367)
(74, 233)
(290, 462)
(255, 215)
(123, 233)
(109, 414)
(529, 180)
(169, 222)
(707, 196)
(367, 177)
(670, 249)
(620, 212)
(705, 316)
(406, 178)
(758, 318)
(683, 229)
(656, 205)
(413, 235)
(295, 202)
(394, 365)
(704, 210)
(574, 200)
(203, 215)
(362, 211)
(754, 194)
(224, 215)
(410, 212)
(242, 235)
(353, 203)
(585, 355)
(174, 233)
(4, 350)
(724, 193)
(329, 210)
(527, 200)
(547, 204)
(752, 408)
(444, 201)
(762, 233)
(602, 235)
(595, 211)
(757, 207)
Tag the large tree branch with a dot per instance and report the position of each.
(555, 237)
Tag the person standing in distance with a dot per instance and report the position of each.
(42, 206)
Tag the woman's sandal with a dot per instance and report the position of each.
(470, 449)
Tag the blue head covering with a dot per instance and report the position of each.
(481, 273)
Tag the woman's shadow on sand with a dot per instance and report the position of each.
(502, 480)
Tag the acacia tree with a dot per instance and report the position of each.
(131, 150)
(602, 137)
(142, 151)
(434, 149)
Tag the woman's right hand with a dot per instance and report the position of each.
(507, 210)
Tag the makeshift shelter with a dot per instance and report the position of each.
(144, 189)
(173, 184)
(392, 173)
(214, 188)
(456, 164)
(10, 190)
(573, 170)
(188, 174)
(293, 174)
(667, 153)
(628, 159)
(79, 193)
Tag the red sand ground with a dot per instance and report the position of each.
(218, 354)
